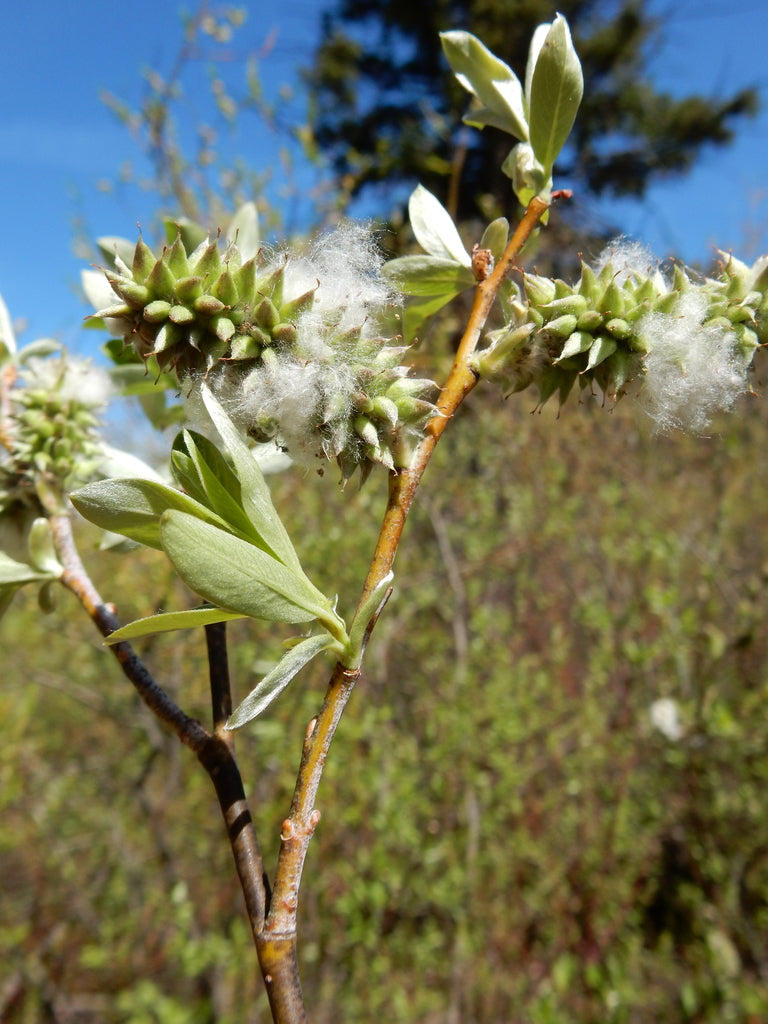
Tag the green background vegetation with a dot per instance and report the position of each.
(505, 837)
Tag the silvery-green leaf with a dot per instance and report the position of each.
(493, 82)
(428, 275)
(42, 551)
(273, 684)
(255, 496)
(115, 463)
(539, 35)
(17, 573)
(556, 89)
(236, 575)
(244, 231)
(7, 335)
(166, 622)
(495, 237)
(113, 247)
(434, 228)
(133, 507)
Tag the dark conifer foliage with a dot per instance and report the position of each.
(386, 107)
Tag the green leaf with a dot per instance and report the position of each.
(243, 230)
(168, 621)
(416, 313)
(495, 237)
(434, 228)
(493, 82)
(428, 275)
(204, 473)
(7, 336)
(133, 507)
(112, 245)
(42, 551)
(273, 684)
(557, 86)
(254, 493)
(236, 575)
(366, 611)
(7, 594)
(18, 573)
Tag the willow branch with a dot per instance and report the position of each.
(213, 751)
(76, 579)
(298, 827)
(461, 380)
(302, 820)
(218, 674)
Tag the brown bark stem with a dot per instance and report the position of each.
(299, 826)
(214, 751)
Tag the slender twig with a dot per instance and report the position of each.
(76, 579)
(218, 674)
(302, 820)
(214, 752)
(461, 380)
(299, 826)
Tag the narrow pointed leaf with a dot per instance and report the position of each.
(273, 684)
(434, 228)
(216, 485)
(244, 231)
(255, 496)
(557, 86)
(493, 82)
(18, 573)
(361, 620)
(236, 575)
(133, 507)
(42, 551)
(168, 621)
(428, 275)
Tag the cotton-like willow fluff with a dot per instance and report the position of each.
(294, 345)
(683, 344)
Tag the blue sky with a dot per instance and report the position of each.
(57, 140)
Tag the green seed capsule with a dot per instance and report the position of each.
(266, 315)
(136, 295)
(618, 328)
(188, 289)
(176, 259)
(568, 305)
(562, 326)
(143, 261)
(161, 281)
(284, 334)
(226, 289)
(208, 305)
(591, 321)
(180, 315)
(244, 347)
(157, 312)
